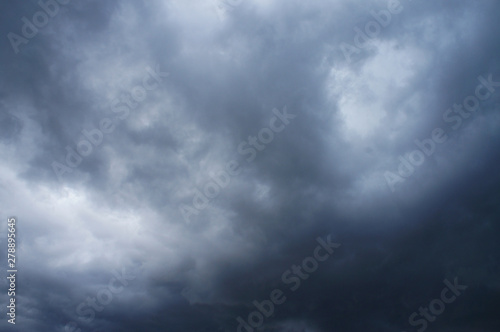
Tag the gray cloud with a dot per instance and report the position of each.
(229, 65)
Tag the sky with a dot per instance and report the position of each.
(251, 165)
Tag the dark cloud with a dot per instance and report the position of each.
(185, 87)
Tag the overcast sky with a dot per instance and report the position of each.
(171, 162)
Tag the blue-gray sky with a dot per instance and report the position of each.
(311, 105)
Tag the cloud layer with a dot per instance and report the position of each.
(116, 116)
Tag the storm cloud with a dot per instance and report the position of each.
(251, 165)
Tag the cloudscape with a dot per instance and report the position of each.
(250, 165)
